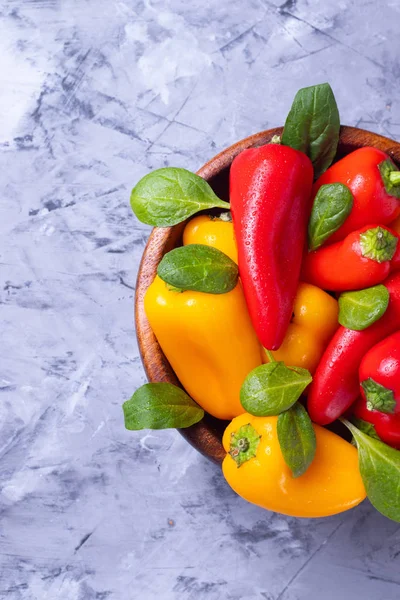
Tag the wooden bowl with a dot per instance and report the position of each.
(206, 435)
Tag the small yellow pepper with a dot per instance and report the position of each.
(256, 470)
(212, 231)
(209, 341)
(315, 320)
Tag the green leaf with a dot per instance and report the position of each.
(365, 427)
(380, 470)
(272, 388)
(297, 439)
(160, 406)
(312, 125)
(332, 205)
(378, 397)
(168, 196)
(358, 310)
(199, 268)
(378, 244)
(243, 444)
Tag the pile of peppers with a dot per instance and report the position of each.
(281, 314)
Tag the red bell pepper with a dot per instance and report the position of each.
(363, 259)
(335, 385)
(374, 181)
(270, 191)
(379, 376)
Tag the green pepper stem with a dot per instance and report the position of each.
(378, 397)
(244, 444)
(378, 244)
(394, 177)
(390, 177)
(270, 356)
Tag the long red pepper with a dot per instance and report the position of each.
(335, 385)
(374, 181)
(270, 191)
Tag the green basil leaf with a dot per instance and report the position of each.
(380, 470)
(312, 125)
(160, 406)
(297, 439)
(273, 388)
(378, 397)
(168, 196)
(199, 268)
(332, 205)
(358, 310)
(365, 427)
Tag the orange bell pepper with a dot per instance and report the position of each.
(314, 321)
(331, 484)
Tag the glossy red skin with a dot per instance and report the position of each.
(270, 190)
(395, 262)
(386, 426)
(382, 364)
(341, 266)
(372, 204)
(335, 385)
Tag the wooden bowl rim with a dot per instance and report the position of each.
(204, 435)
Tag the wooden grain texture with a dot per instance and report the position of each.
(206, 435)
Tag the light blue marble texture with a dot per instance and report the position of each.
(94, 94)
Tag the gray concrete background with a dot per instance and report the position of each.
(94, 94)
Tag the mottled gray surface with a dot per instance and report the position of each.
(94, 94)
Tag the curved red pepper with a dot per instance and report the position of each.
(363, 259)
(379, 376)
(335, 385)
(367, 172)
(270, 191)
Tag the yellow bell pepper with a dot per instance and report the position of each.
(315, 320)
(212, 231)
(331, 484)
(209, 341)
